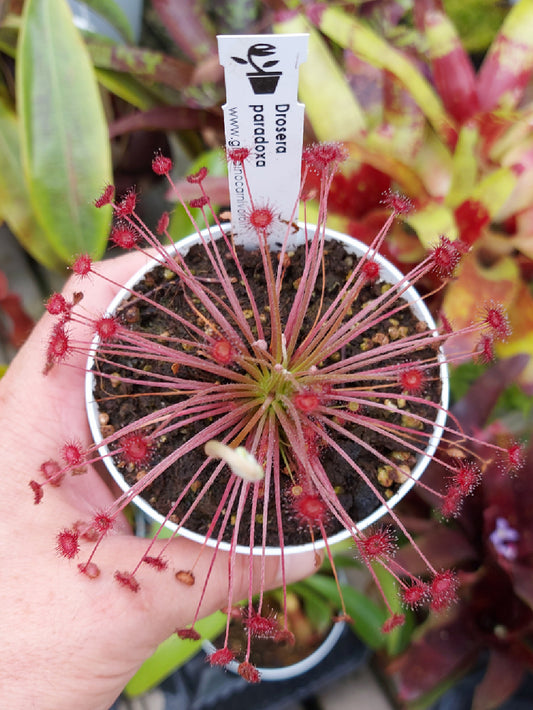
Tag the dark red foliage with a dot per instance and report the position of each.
(103, 523)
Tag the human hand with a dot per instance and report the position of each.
(67, 640)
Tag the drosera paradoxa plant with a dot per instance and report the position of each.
(271, 393)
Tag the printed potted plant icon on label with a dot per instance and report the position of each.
(262, 80)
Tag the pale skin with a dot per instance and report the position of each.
(68, 641)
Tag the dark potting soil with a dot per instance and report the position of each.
(121, 403)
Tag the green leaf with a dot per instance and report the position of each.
(114, 14)
(317, 609)
(172, 654)
(65, 146)
(15, 205)
(367, 616)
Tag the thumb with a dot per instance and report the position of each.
(196, 581)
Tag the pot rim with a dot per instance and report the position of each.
(388, 272)
(277, 673)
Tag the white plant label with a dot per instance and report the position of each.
(262, 114)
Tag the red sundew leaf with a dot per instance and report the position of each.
(443, 651)
(502, 678)
(502, 80)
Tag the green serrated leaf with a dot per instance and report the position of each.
(114, 14)
(64, 139)
(15, 205)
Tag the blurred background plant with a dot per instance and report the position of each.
(394, 79)
(431, 97)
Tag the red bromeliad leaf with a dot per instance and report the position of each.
(143, 63)
(165, 118)
(444, 650)
(445, 547)
(453, 73)
(502, 678)
(187, 24)
(508, 66)
(473, 410)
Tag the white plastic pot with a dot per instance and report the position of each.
(295, 669)
(390, 274)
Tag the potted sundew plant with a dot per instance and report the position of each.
(269, 398)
